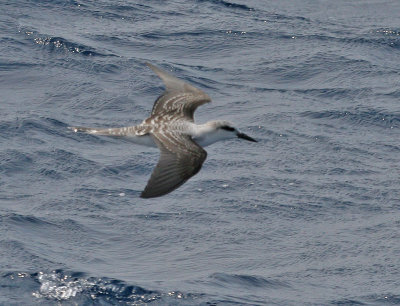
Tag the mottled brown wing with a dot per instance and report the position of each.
(179, 97)
(180, 159)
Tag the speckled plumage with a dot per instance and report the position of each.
(171, 128)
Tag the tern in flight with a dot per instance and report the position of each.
(171, 128)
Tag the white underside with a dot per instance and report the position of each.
(203, 134)
(203, 140)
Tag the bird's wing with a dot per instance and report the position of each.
(179, 97)
(180, 159)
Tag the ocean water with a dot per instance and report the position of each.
(309, 215)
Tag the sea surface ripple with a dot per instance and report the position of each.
(307, 216)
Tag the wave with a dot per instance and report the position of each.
(376, 38)
(33, 123)
(382, 299)
(56, 43)
(10, 66)
(246, 281)
(79, 288)
(59, 286)
(228, 4)
(359, 116)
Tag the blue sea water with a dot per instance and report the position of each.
(307, 216)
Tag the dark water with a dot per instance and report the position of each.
(308, 216)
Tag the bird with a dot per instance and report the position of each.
(172, 129)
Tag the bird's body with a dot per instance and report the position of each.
(171, 128)
(203, 134)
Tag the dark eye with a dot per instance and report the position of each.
(227, 128)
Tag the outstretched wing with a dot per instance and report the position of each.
(179, 97)
(180, 159)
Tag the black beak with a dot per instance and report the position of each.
(244, 136)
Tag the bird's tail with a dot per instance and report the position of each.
(81, 129)
(116, 132)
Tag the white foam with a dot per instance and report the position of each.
(60, 287)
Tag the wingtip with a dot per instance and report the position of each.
(152, 67)
(144, 196)
(148, 195)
